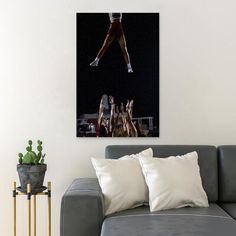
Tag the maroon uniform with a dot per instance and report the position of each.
(116, 28)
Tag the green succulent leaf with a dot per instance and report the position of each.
(40, 142)
(31, 157)
(36, 161)
(20, 160)
(28, 158)
(39, 148)
(20, 155)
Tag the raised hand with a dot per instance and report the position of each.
(111, 100)
(127, 105)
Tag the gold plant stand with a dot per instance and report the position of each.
(30, 195)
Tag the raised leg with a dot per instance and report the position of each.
(107, 41)
(122, 42)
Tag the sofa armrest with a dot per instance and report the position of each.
(82, 209)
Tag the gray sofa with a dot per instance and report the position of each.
(82, 204)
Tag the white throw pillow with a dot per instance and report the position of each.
(145, 153)
(122, 181)
(174, 182)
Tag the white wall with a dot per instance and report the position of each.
(37, 86)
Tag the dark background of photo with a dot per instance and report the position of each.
(111, 76)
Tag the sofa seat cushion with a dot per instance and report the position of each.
(230, 208)
(211, 221)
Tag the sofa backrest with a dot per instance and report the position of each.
(207, 160)
(227, 173)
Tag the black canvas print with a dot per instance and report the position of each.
(117, 74)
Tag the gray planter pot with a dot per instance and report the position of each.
(31, 174)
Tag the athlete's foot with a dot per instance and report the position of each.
(130, 70)
(94, 63)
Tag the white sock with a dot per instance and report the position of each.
(129, 68)
(94, 62)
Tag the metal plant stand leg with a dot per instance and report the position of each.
(14, 207)
(33, 214)
(49, 209)
(29, 210)
(34, 204)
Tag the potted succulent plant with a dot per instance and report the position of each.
(31, 168)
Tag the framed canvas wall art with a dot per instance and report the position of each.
(117, 75)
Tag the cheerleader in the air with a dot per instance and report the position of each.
(115, 32)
